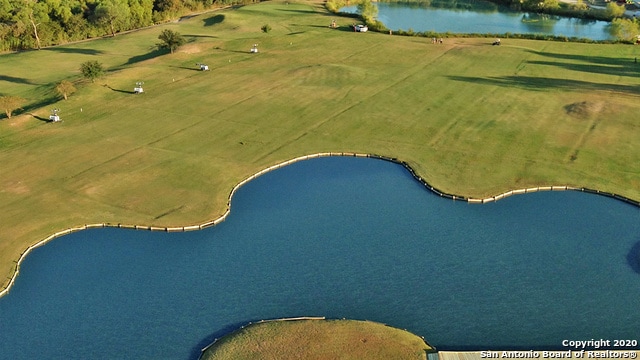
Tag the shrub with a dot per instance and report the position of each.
(91, 70)
(171, 40)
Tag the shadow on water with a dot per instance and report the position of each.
(68, 50)
(210, 21)
(197, 349)
(633, 257)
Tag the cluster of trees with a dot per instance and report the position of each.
(91, 70)
(32, 24)
(625, 29)
(578, 9)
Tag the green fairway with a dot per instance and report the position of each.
(318, 339)
(471, 118)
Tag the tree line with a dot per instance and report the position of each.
(32, 24)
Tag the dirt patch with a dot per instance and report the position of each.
(190, 49)
(17, 188)
(584, 109)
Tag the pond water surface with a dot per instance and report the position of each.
(482, 17)
(337, 237)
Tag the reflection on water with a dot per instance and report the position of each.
(482, 17)
(455, 5)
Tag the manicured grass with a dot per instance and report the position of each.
(318, 339)
(471, 118)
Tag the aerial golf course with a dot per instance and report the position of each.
(471, 119)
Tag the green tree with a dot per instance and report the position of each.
(549, 4)
(65, 88)
(10, 103)
(166, 9)
(580, 5)
(92, 70)
(141, 13)
(25, 19)
(625, 29)
(170, 39)
(614, 10)
(114, 13)
(367, 10)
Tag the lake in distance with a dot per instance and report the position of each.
(484, 17)
(338, 237)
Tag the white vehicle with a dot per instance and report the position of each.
(360, 28)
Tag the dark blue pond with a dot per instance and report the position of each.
(338, 237)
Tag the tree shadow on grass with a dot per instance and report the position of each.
(16, 80)
(118, 90)
(300, 11)
(150, 55)
(199, 36)
(543, 83)
(585, 58)
(633, 257)
(29, 108)
(40, 118)
(628, 68)
(213, 20)
(618, 66)
(68, 50)
(347, 28)
(195, 68)
(40, 104)
(248, 51)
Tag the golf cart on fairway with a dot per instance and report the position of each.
(360, 28)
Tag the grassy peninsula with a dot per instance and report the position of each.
(471, 118)
(318, 339)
